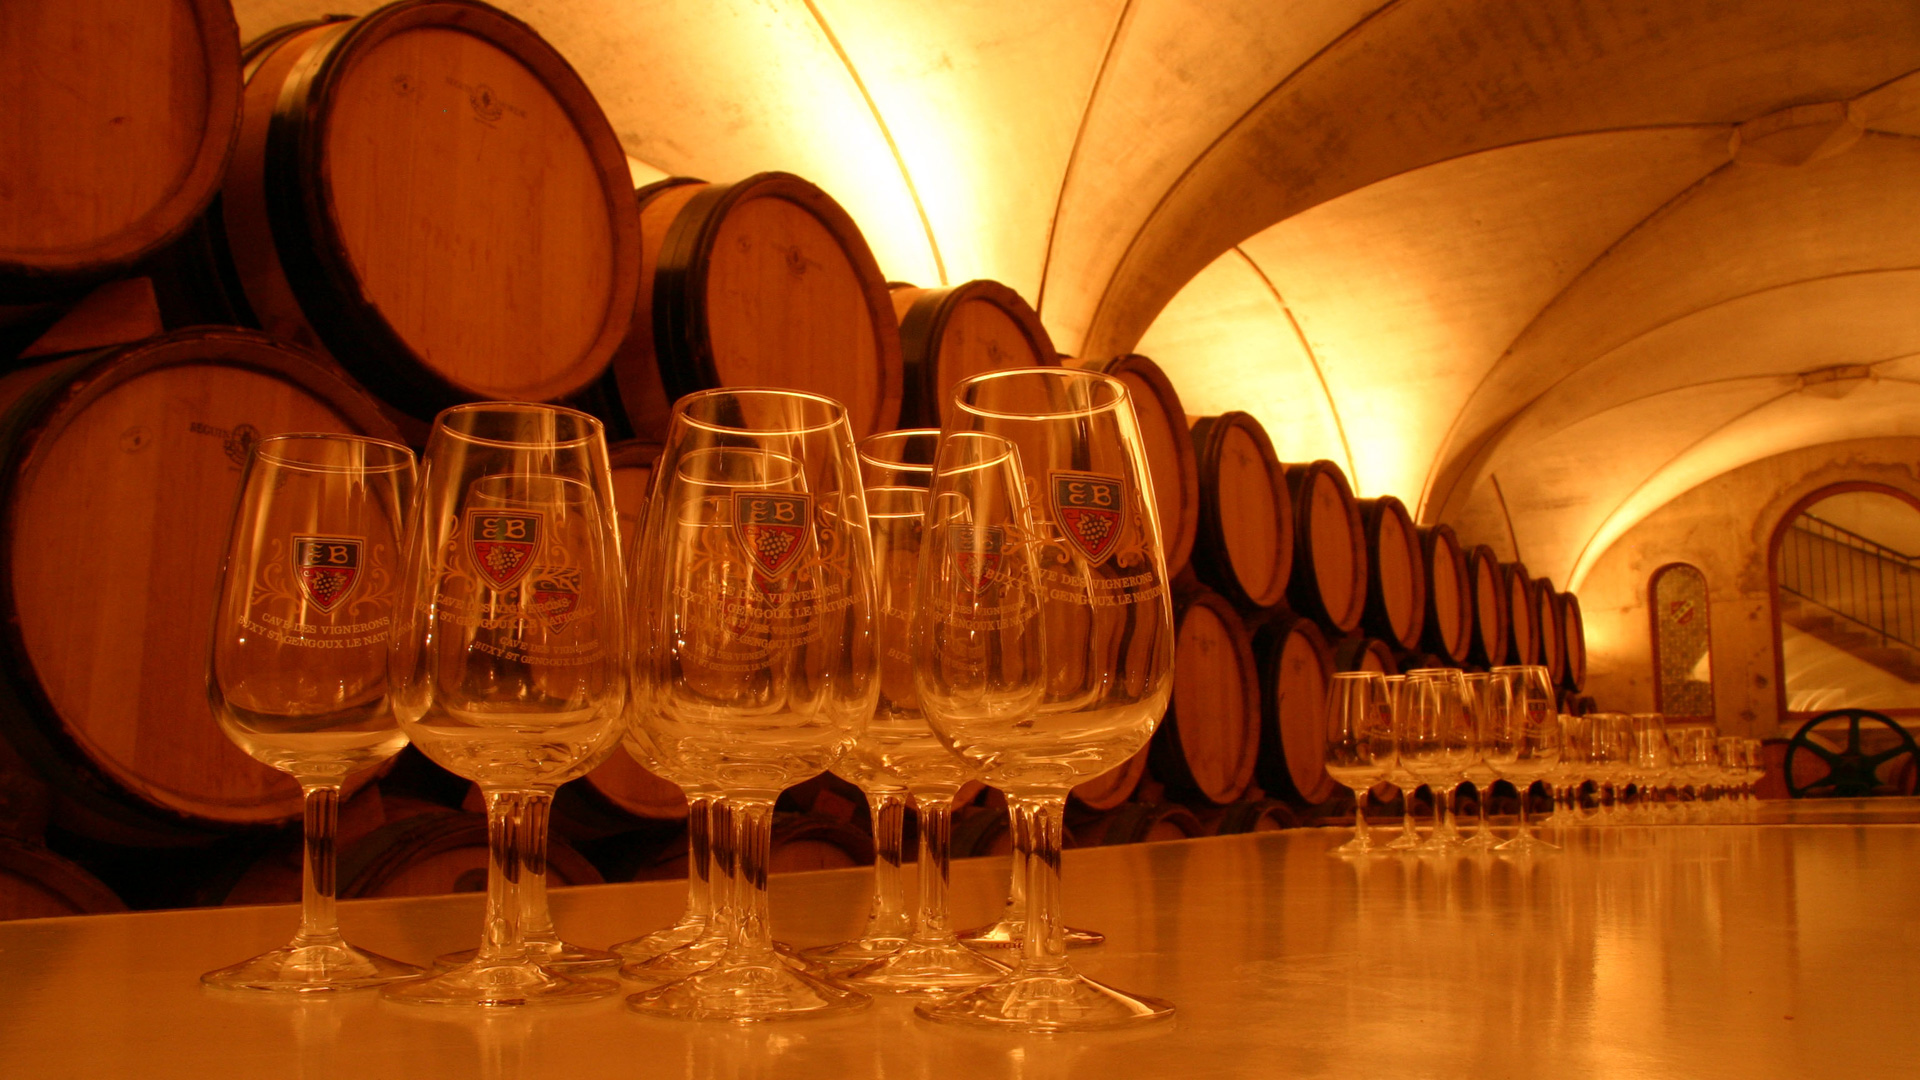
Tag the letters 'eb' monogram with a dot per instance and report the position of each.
(1091, 510)
(327, 567)
(977, 553)
(772, 529)
(502, 544)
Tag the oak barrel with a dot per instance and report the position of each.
(1116, 785)
(1143, 823)
(1491, 614)
(1448, 630)
(1296, 665)
(1546, 619)
(810, 842)
(951, 334)
(121, 115)
(1358, 652)
(1254, 815)
(1245, 545)
(1573, 638)
(762, 282)
(1396, 573)
(1329, 581)
(1169, 449)
(431, 193)
(37, 884)
(1208, 743)
(631, 464)
(120, 474)
(1523, 615)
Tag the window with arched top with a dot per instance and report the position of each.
(1682, 643)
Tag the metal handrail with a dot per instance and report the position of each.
(1860, 580)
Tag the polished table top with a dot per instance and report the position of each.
(1706, 951)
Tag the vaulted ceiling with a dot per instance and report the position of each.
(1536, 266)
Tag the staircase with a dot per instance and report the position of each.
(1852, 593)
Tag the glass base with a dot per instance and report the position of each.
(1481, 841)
(698, 955)
(1526, 844)
(918, 967)
(1404, 840)
(501, 983)
(748, 993)
(1437, 843)
(1361, 844)
(856, 953)
(1009, 933)
(317, 966)
(648, 946)
(1063, 1001)
(556, 956)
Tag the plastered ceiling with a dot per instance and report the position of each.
(1516, 261)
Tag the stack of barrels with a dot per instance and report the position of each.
(1284, 577)
(351, 223)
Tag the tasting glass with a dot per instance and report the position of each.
(1105, 630)
(1756, 770)
(1524, 740)
(755, 662)
(507, 658)
(1475, 691)
(1435, 700)
(1566, 778)
(905, 472)
(1611, 760)
(298, 672)
(1399, 775)
(1652, 763)
(699, 936)
(1360, 744)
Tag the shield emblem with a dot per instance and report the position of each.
(327, 568)
(1091, 509)
(772, 529)
(977, 553)
(502, 544)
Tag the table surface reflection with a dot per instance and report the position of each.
(1769, 950)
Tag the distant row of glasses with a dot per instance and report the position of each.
(1640, 770)
(988, 601)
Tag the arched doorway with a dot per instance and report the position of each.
(1846, 585)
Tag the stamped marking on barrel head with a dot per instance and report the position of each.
(1091, 510)
(772, 529)
(977, 553)
(327, 568)
(502, 544)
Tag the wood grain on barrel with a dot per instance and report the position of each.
(1169, 450)
(1523, 616)
(119, 120)
(1491, 614)
(1296, 664)
(1115, 786)
(1573, 640)
(1449, 625)
(1330, 556)
(952, 334)
(636, 363)
(37, 884)
(123, 470)
(1245, 545)
(1396, 572)
(1546, 621)
(432, 194)
(1361, 653)
(1209, 741)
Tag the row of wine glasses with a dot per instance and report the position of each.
(984, 601)
(1642, 770)
(1440, 727)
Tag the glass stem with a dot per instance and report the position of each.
(722, 866)
(699, 859)
(1406, 811)
(888, 916)
(1017, 880)
(1044, 948)
(536, 918)
(1446, 797)
(1483, 794)
(500, 939)
(751, 942)
(1525, 791)
(935, 809)
(319, 919)
(1360, 816)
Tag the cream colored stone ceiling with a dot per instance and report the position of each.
(1495, 256)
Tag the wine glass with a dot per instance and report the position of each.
(1399, 775)
(1435, 700)
(1565, 779)
(298, 673)
(1360, 744)
(888, 922)
(1652, 762)
(1102, 639)
(755, 664)
(699, 936)
(508, 652)
(1474, 690)
(1525, 740)
(973, 566)
(1611, 759)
